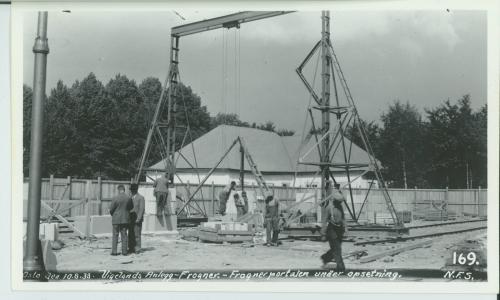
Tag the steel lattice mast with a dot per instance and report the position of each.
(330, 140)
(167, 104)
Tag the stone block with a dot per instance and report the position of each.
(100, 224)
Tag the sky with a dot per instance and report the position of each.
(423, 57)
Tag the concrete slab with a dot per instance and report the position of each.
(153, 223)
(49, 231)
(100, 224)
(49, 258)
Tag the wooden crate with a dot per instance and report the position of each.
(405, 216)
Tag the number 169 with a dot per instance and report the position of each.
(462, 259)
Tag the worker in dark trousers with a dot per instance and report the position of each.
(224, 196)
(240, 205)
(161, 194)
(333, 229)
(271, 220)
(136, 219)
(120, 209)
(245, 202)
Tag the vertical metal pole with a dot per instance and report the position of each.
(32, 259)
(51, 187)
(213, 199)
(172, 105)
(325, 98)
(242, 169)
(88, 197)
(99, 195)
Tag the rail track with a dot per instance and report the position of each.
(408, 238)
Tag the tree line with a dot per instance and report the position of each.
(92, 129)
(446, 147)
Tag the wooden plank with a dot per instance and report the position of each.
(395, 251)
(51, 187)
(235, 232)
(87, 208)
(63, 220)
(60, 211)
(99, 194)
(213, 199)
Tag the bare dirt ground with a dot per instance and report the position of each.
(162, 253)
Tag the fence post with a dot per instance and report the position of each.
(51, 187)
(188, 188)
(415, 205)
(99, 194)
(69, 188)
(87, 208)
(213, 199)
(69, 191)
(319, 212)
(478, 197)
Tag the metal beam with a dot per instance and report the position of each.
(228, 21)
(325, 100)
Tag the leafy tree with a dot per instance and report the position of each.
(268, 126)
(150, 91)
(285, 132)
(372, 131)
(400, 146)
(60, 148)
(190, 113)
(227, 119)
(457, 142)
(27, 104)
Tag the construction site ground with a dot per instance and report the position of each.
(185, 253)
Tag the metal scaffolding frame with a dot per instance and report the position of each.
(328, 141)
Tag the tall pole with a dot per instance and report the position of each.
(242, 168)
(32, 259)
(325, 98)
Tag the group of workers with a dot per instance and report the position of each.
(333, 226)
(271, 217)
(128, 214)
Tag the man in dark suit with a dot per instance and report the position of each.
(136, 218)
(333, 229)
(120, 218)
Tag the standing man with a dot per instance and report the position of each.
(161, 194)
(333, 230)
(120, 209)
(271, 219)
(224, 196)
(245, 201)
(240, 206)
(136, 218)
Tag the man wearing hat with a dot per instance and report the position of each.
(271, 219)
(333, 229)
(136, 218)
(120, 209)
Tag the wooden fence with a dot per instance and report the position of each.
(95, 196)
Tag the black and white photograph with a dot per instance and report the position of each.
(335, 145)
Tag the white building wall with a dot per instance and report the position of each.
(224, 177)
